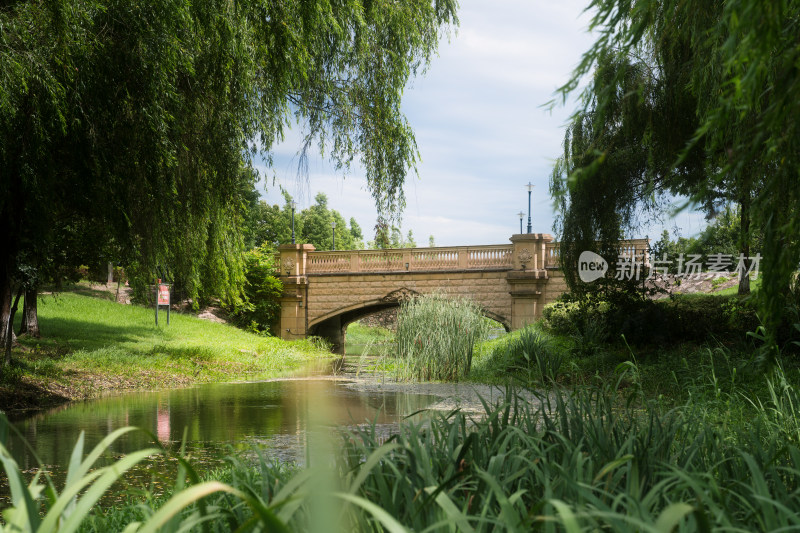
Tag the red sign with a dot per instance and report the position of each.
(163, 295)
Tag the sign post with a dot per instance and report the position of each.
(162, 298)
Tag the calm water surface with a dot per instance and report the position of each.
(219, 418)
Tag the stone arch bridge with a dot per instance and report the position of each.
(326, 291)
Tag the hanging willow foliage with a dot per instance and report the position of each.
(144, 118)
(715, 118)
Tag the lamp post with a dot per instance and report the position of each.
(333, 227)
(521, 214)
(294, 206)
(530, 189)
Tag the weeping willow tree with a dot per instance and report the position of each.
(145, 118)
(713, 116)
(613, 174)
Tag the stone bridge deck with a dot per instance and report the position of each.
(325, 291)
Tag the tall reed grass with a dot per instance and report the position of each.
(529, 356)
(436, 335)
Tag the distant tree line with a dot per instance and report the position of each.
(271, 225)
(720, 237)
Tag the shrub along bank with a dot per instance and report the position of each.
(688, 317)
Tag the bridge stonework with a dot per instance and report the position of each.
(326, 291)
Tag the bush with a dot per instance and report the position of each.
(261, 306)
(677, 319)
(533, 352)
(698, 317)
(435, 337)
(561, 317)
(570, 318)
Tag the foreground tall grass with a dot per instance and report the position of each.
(593, 459)
(436, 335)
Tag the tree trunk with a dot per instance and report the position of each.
(6, 294)
(744, 242)
(10, 337)
(30, 316)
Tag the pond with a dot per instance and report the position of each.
(273, 416)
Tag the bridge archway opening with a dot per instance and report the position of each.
(333, 327)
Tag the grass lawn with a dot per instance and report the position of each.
(755, 286)
(91, 345)
(368, 340)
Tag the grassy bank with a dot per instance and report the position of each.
(91, 346)
(674, 374)
(368, 340)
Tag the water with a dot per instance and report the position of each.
(218, 419)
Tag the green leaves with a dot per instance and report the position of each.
(144, 120)
(83, 488)
(690, 98)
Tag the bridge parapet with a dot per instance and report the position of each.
(631, 249)
(499, 257)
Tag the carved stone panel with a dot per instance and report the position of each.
(400, 295)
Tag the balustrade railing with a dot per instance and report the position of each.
(552, 255)
(632, 249)
(434, 259)
(490, 256)
(411, 259)
(329, 262)
(376, 261)
(497, 257)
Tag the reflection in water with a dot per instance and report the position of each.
(215, 418)
(162, 425)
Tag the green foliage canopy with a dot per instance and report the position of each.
(261, 305)
(145, 118)
(713, 108)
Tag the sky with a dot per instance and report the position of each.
(482, 127)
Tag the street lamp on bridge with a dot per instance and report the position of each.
(294, 206)
(530, 189)
(521, 214)
(333, 227)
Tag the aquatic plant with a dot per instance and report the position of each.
(436, 335)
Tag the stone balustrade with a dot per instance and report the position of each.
(411, 259)
(629, 249)
(551, 255)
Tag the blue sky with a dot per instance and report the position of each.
(481, 128)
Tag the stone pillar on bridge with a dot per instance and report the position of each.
(528, 278)
(293, 323)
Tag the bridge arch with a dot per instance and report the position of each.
(333, 325)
